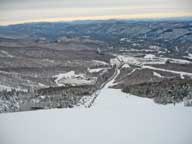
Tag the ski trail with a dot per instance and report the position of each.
(166, 70)
(105, 85)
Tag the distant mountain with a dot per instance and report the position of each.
(175, 35)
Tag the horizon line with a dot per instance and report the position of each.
(103, 18)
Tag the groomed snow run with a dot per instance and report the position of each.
(157, 75)
(95, 70)
(99, 63)
(114, 118)
(166, 70)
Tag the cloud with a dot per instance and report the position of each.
(18, 11)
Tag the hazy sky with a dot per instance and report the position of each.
(19, 11)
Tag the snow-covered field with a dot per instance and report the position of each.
(95, 70)
(73, 79)
(115, 118)
(189, 56)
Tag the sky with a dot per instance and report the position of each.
(22, 11)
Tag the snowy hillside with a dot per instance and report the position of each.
(115, 118)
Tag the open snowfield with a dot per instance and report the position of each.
(73, 79)
(115, 118)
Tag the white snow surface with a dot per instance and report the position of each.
(115, 118)
(149, 56)
(115, 61)
(126, 66)
(189, 56)
(6, 54)
(126, 59)
(95, 70)
(98, 62)
(147, 59)
(72, 78)
(42, 85)
(65, 75)
(171, 71)
(157, 75)
(179, 61)
(182, 76)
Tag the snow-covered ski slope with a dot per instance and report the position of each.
(114, 118)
